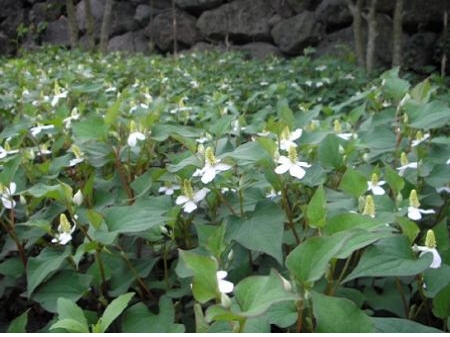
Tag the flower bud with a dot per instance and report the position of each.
(78, 198)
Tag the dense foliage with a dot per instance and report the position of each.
(212, 193)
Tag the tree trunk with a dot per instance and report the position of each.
(371, 36)
(175, 29)
(356, 10)
(73, 25)
(397, 32)
(89, 25)
(106, 25)
(445, 45)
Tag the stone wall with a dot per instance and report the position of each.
(258, 27)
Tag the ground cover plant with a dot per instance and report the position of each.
(210, 193)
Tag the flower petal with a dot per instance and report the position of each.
(377, 190)
(208, 175)
(414, 213)
(200, 195)
(297, 171)
(189, 206)
(181, 199)
(225, 286)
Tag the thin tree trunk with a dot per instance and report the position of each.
(397, 43)
(89, 25)
(444, 39)
(371, 36)
(175, 29)
(356, 10)
(106, 25)
(73, 25)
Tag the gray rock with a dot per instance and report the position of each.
(129, 42)
(260, 50)
(9, 7)
(198, 5)
(294, 34)
(339, 43)
(419, 51)
(334, 14)
(160, 30)
(57, 33)
(46, 11)
(243, 20)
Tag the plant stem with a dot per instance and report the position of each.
(289, 214)
(123, 177)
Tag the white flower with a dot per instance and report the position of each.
(403, 168)
(272, 194)
(56, 98)
(291, 164)
(38, 129)
(375, 186)
(78, 198)
(6, 195)
(4, 153)
(346, 135)
(168, 189)
(436, 263)
(211, 168)
(190, 199)
(419, 138)
(415, 213)
(134, 137)
(65, 231)
(287, 138)
(225, 287)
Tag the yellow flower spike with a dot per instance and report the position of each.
(56, 88)
(404, 159)
(419, 135)
(292, 154)
(201, 149)
(337, 126)
(430, 239)
(369, 207)
(133, 127)
(374, 179)
(286, 133)
(187, 189)
(76, 151)
(64, 224)
(210, 159)
(7, 147)
(413, 199)
(405, 119)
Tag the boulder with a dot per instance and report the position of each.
(197, 6)
(339, 43)
(11, 25)
(160, 30)
(334, 14)
(419, 51)
(294, 34)
(46, 11)
(130, 42)
(57, 33)
(420, 14)
(243, 21)
(10, 7)
(260, 50)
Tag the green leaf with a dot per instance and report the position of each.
(70, 325)
(309, 260)
(19, 324)
(316, 211)
(249, 153)
(422, 91)
(13, 267)
(113, 111)
(395, 181)
(45, 264)
(112, 311)
(138, 319)
(427, 116)
(409, 228)
(393, 86)
(204, 268)
(339, 315)
(359, 238)
(67, 283)
(263, 232)
(256, 294)
(61, 192)
(285, 113)
(441, 303)
(67, 308)
(353, 183)
(400, 325)
(436, 280)
(344, 221)
(328, 152)
(91, 129)
(389, 257)
(142, 215)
